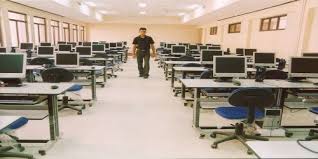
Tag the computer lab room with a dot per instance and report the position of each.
(158, 79)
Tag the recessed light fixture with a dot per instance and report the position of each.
(104, 11)
(142, 12)
(142, 5)
(90, 3)
(181, 14)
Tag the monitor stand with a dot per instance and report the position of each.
(297, 79)
(14, 82)
(224, 79)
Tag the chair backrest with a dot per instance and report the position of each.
(252, 97)
(192, 65)
(206, 75)
(86, 62)
(186, 58)
(276, 74)
(56, 75)
(41, 61)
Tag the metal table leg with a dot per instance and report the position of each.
(53, 116)
(93, 83)
(196, 108)
(105, 71)
(172, 77)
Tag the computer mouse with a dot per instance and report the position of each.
(54, 87)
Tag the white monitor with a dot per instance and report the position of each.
(193, 47)
(45, 51)
(99, 48)
(67, 60)
(304, 67)
(26, 46)
(264, 59)
(112, 45)
(84, 51)
(12, 65)
(229, 66)
(178, 50)
(206, 57)
(64, 48)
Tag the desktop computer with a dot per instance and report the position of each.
(67, 59)
(225, 68)
(214, 47)
(120, 45)
(112, 46)
(3, 50)
(264, 59)
(193, 47)
(64, 48)
(207, 56)
(80, 43)
(107, 46)
(250, 52)
(45, 51)
(178, 50)
(169, 46)
(72, 43)
(95, 43)
(87, 44)
(99, 48)
(201, 47)
(26, 46)
(310, 54)
(84, 51)
(303, 67)
(12, 68)
(45, 44)
(61, 42)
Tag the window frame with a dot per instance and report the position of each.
(214, 30)
(82, 31)
(75, 32)
(38, 27)
(53, 27)
(1, 35)
(64, 32)
(269, 23)
(17, 25)
(235, 27)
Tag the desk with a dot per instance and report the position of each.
(184, 71)
(199, 84)
(283, 149)
(91, 69)
(171, 64)
(5, 121)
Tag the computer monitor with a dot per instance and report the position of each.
(207, 56)
(125, 43)
(162, 44)
(80, 43)
(65, 48)
(12, 66)
(250, 52)
(45, 51)
(303, 67)
(84, 51)
(45, 44)
(193, 47)
(229, 67)
(202, 47)
(106, 46)
(98, 48)
(94, 43)
(264, 59)
(112, 45)
(169, 46)
(240, 51)
(67, 60)
(214, 48)
(120, 45)
(178, 50)
(72, 43)
(87, 44)
(102, 42)
(61, 42)
(26, 46)
(310, 54)
(3, 50)
(208, 44)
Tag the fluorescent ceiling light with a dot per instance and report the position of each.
(104, 11)
(142, 5)
(90, 3)
(194, 6)
(181, 14)
(142, 12)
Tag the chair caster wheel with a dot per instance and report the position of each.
(79, 113)
(249, 152)
(289, 134)
(213, 135)
(42, 152)
(202, 136)
(90, 104)
(185, 104)
(311, 133)
(21, 148)
(214, 146)
(103, 86)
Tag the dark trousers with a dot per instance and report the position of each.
(143, 59)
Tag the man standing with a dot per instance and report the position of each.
(141, 48)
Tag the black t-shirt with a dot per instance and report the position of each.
(143, 43)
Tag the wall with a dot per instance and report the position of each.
(31, 12)
(310, 33)
(159, 32)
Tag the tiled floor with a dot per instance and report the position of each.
(133, 118)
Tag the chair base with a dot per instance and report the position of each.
(313, 135)
(66, 105)
(4, 153)
(237, 135)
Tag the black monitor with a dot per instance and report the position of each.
(240, 51)
(310, 54)
(169, 46)
(162, 44)
(119, 44)
(214, 47)
(72, 43)
(61, 42)
(94, 43)
(303, 67)
(106, 46)
(208, 44)
(250, 52)
(207, 56)
(3, 50)
(80, 43)
(125, 43)
(65, 48)
(98, 48)
(229, 66)
(46, 51)
(202, 47)
(26, 46)
(84, 51)
(45, 44)
(193, 47)
(67, 59)
(264, 59)
(112, 45)
(87, 44)
(12, 66)
(178, 50)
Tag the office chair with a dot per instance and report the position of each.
(313, 134)
(281, 63)
(56, 75)
(42, 61)
(246, 102)
(4, 150)
(186, 58)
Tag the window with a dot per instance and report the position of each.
(18, 28)
(235, 28)
(39, 30)
(75, 33)
(82, 34)
(55, 31)
(274, 23)
(66, 32)
(1, 38)
(213, 30)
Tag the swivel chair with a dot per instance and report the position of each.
(39, 61)
(252, 99)
(313, 134)
(5, 150)
(57, 75)
(186, 58)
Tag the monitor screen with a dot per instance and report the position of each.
(203, 47)
(87, 44)
(26, 46)
(12, 65)
(169, 46)
(106, 46)
(84, 51)
(125, 42)
(178, 50)
(94, 43)
(162, 44)
(65, 48)
(250, 52)
(304, 67)
(229, 66)
(67, 59)
(3, 50)
(207, 55)
(98, 48)
(264, 59)
(45, 44)
(61, 42)
(112, 45)
(310, 54)
(193, 47)
(45, 51)
(72, 43)
(240, 51)
(214, 48)
(80, 43)
(120, 44)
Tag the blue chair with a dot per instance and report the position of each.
(56, 75)
(4, 150)
(313, 134)
(246, 102)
